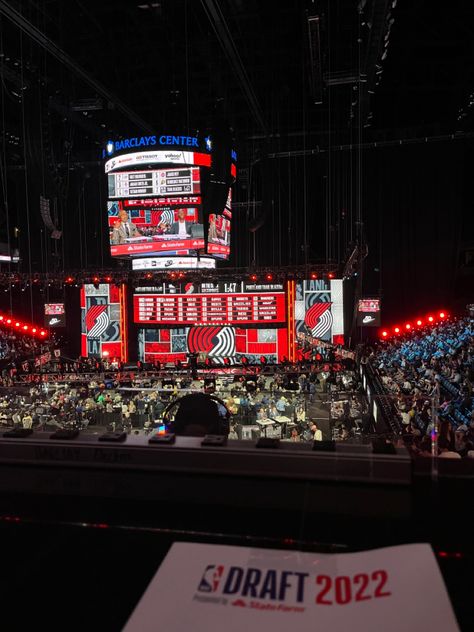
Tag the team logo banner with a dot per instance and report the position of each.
(203, 587)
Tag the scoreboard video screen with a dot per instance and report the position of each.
(130, 184)
(156, 197)
(151, 227)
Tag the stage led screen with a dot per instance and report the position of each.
(216, 320)
(319, 311)
(103, 321)
(54, 315)
(368, 312)
(139, 229)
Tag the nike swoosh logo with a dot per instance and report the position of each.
(368, 319)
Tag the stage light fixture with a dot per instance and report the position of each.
(397, 330)
(442, 315)
(331, 275)
(313, 276)
(419, 323)
(25, 327)
(17, 324)
(384, 334)
(253, 277)
(269, 277)
(9, 321)
(431, 319)
(408, 326)
(42, 333)
(34, 330)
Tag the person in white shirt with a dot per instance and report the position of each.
(181, 228)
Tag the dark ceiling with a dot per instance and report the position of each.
(291, 79)
(176, 64)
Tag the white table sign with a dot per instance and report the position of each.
(206, 587)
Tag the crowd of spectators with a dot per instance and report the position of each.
(430, 374)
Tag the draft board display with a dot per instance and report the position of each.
(234, 306)
(368, 312)
(214, 320)
(132, 184)
(103, 327)
(319, 310)
(138, 228)
(54, 315)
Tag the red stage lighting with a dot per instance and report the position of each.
(397, 330)
(9, 320)
(269, 277)
(431, 319)
(108, 279)
(408, 326)
(384, 334)
(34, 330)
(442, 314)
(25, 327)
(419, 323)
(42, 333)
(313, 275)
(17, 324)
(148, 275)
(95, 279)
(331, 275)
(1, 318)
(69, 279)
(253, 277)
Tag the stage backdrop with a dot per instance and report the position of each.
(103, 321)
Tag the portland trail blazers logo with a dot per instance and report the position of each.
(319, 319)
(215, 341)
(97, 321)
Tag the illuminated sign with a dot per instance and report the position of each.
(239, 309)
(150, 141)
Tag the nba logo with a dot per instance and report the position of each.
(210, 578)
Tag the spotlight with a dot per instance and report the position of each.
(17, 324)
(397, 330)
(331, 275)
(431, 319)
(419, 323)
(105, 354)
(442, 315)
(384, 334)
(34, 330)
(108, 279)
(42, 333)
(9, 321)
(313, 276)
(253, 277)
(25, 327)
(408, 326)
(269, 277)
